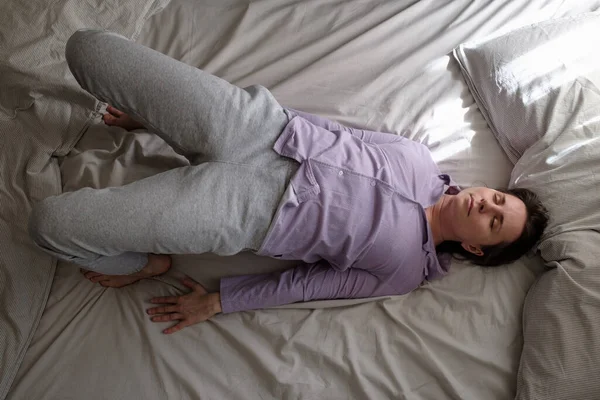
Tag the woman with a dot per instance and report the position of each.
(363, 210)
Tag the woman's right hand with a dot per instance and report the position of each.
(189, 309)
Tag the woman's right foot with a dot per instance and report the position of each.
(157, 264)
(115, 117)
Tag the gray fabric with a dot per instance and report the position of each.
(561, 323)
(223, 205)
(561, 319)
(458, 338)
(523, 80)
(541, 86)
(42, 115)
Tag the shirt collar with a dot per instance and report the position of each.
(450, 187)
(438, 263)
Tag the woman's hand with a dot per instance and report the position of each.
(188, 309)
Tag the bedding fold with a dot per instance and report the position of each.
(43, 113)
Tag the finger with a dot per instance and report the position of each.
(167, 317)
(170, 299)
(91, 274)
(177, 327)
(189, 282)
(162, 310)
(114, 111)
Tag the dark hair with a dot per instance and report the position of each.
(504, 253)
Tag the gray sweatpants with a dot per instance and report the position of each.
(223, 203)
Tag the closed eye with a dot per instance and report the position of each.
(494, 220)
(500, 200)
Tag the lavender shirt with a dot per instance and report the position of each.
(353, 213)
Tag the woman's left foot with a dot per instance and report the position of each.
(115, 117)
(158, 264)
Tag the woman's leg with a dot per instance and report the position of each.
(200, 115)
(223, 208)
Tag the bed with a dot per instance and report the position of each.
(381, 65)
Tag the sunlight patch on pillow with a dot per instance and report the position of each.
(528, 82)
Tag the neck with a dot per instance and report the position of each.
(434, 219)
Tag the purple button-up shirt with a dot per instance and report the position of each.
(353, 213)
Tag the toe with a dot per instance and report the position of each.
(109, 119)
(91, 274)
(99, 278)
(114, 111)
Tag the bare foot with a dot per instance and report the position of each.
(115, 117)
(158, 264)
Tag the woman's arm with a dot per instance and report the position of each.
(306, 282)
(317, 281)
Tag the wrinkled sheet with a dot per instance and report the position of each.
(546, 116)
(42, 114)
(379, 65)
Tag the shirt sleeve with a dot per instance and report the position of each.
(332, 126)
(317, 281)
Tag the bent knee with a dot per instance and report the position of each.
(83, 45)
(77, 44)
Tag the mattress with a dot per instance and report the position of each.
(380, 65)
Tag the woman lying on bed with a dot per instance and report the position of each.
(366, 212)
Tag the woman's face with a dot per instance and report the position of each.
(482, 217)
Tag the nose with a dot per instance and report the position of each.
(488, 207)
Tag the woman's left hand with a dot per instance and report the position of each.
(188, 309)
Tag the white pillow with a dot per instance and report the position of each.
(539, 89)
(530, 82)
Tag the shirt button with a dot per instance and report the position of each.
(341, 173)
(373, 183)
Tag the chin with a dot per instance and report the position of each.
(459, 217)
(453, 216)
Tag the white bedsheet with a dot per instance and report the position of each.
(42, 113)
(381, 65)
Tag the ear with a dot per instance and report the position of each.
(472, 249)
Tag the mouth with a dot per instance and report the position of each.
(470, 204)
